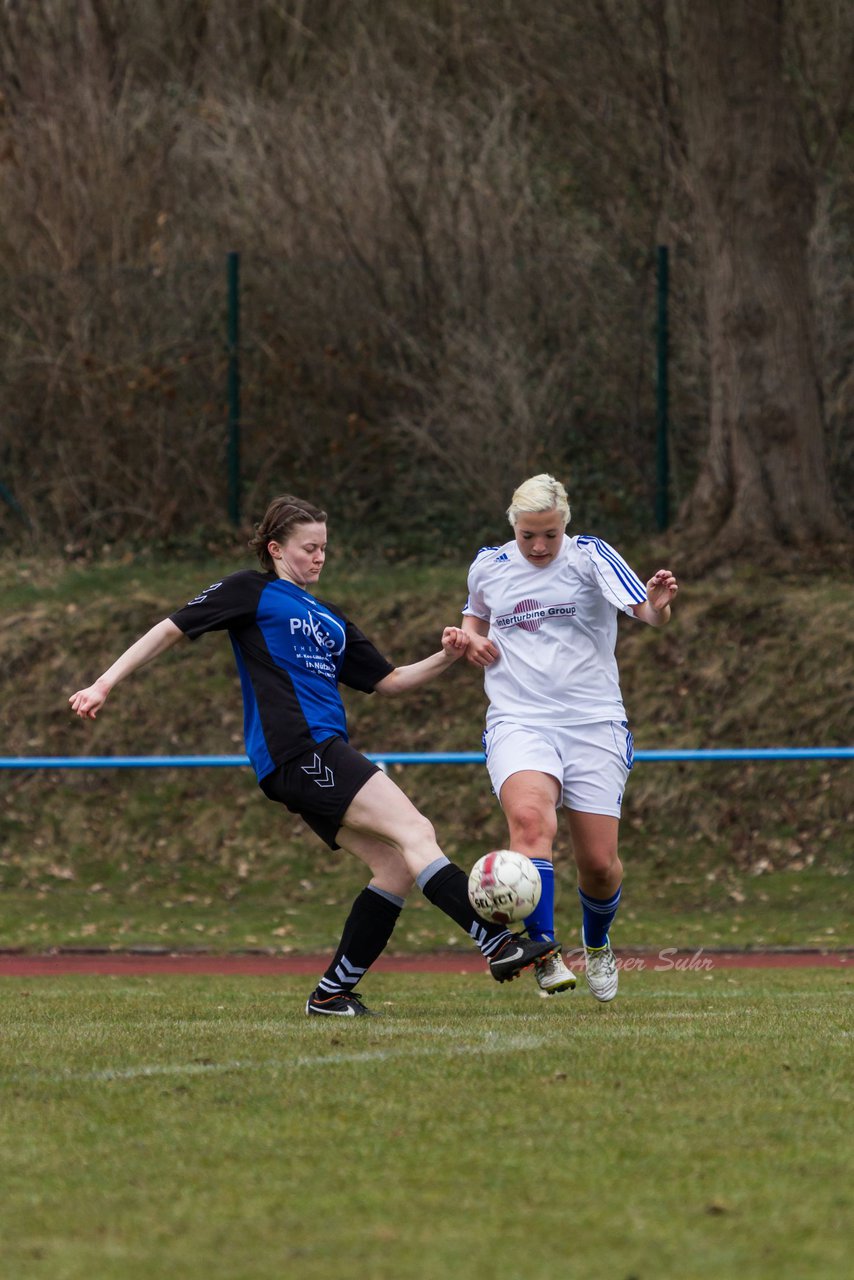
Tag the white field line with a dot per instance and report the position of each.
(93, 1029)
(503, 1044)
(490, 1043)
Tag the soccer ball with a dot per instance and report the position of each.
(504, 886)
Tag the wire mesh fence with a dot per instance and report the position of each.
(406, 394)
(409, 396)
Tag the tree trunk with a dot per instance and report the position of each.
(763, 481)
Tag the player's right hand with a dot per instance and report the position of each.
(481, 651)
(86, 703)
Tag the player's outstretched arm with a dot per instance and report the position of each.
(402, 679)
(660, 592)
(88, 702)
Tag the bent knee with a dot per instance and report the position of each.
(417, 832)
(532, 824)
(394, 880)
(600, 868)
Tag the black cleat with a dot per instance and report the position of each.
(346, 1004)
(518, 953)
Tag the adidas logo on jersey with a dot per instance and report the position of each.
(503, 556)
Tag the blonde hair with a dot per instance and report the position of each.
(540, 493)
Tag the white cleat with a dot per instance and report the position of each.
(552, 975)
(601, 970)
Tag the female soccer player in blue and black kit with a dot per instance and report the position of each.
(292, 651)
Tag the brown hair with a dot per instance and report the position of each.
(279, 520)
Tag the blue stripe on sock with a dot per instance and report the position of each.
(540, 924)
(597, 916)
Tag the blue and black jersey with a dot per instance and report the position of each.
(292, 651)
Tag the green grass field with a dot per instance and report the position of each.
(204, 1128)
(190, 1127)
(276, 912)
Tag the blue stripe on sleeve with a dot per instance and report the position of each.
(624, 574)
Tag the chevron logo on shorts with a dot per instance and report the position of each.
(324, 777)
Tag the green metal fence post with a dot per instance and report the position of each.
(234, 387)
(12, 503)
(662, 485)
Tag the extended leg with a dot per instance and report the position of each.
(381, 811)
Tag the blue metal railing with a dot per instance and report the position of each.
(413, 757)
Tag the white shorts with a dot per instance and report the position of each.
(590, 762)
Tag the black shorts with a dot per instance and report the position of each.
(320, 785)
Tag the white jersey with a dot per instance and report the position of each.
(555, 629)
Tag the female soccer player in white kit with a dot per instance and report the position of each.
(542, 620)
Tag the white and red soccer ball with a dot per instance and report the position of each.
(504, 887)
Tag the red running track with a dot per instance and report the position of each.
(146, 964)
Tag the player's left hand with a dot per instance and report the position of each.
(454, 641)
(661, 589)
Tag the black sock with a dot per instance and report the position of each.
(447, 889)
(366, 932)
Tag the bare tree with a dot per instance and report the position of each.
(764, 478)
(447, 212)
